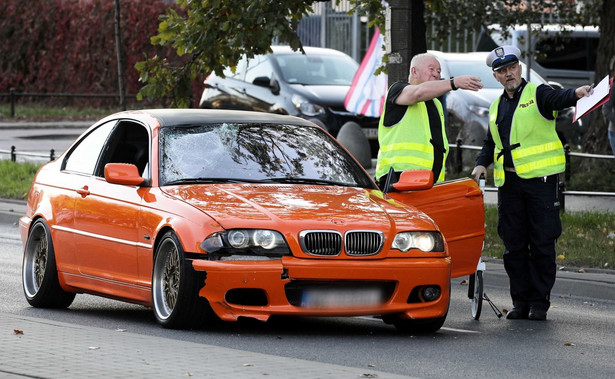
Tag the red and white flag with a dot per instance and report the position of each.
(367, 92)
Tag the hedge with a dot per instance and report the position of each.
(68, 46)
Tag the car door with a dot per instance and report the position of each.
(107, 215)
(457, 208)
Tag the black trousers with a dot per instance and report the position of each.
(529, 225)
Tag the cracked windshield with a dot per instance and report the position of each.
(234, 152)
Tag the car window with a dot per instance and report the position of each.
(258, 66)
(317, 69)
(567, 53)
(128, 143)
(84, 156)
(254, 153)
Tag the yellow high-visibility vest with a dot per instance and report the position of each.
(406, 145)
(535, 147)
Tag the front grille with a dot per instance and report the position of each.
(329, 243)
(321, 242)
(361, 243)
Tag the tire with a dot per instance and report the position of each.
(477, 297)
(420, 326)
(39, 272)
(352, 137)
(175, 288)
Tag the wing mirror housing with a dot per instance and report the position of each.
(123, 173)
(414, 180)
(265, 81)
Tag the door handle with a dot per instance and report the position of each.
(83, 191)
(474, 192)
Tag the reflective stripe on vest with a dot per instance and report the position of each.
(539, 152)
(406, 145)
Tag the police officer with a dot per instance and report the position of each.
(527, 156)
(411, 131)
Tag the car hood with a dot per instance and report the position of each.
(300, 207)
(330, 95)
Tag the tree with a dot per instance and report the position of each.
(213, 34)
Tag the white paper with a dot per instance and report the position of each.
(586, 103)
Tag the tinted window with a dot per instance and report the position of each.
(254, 153)
(567, 53)
(83, 158)
(129, 143)
(317, 69)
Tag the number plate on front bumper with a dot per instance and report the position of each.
(328, 298)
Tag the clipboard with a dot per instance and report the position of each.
(587, 104)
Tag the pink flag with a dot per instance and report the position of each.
(367, 92)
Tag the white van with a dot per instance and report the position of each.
(568, 59)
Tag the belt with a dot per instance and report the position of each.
(509, 169)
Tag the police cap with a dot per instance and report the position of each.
(503, 56)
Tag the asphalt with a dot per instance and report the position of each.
(85, 351)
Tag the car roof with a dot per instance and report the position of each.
(171, 117)
(284, 49)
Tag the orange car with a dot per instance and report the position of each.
(202, 214)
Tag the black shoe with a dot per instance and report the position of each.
(537, 314)
(517, 314)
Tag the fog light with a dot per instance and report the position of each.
(431, 293)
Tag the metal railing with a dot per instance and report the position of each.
(14, 153)
(13, 96)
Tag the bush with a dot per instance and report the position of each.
(69, 46)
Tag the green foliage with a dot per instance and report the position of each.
(598, 179)
(16, 178)
(587, 240)
(212, 34)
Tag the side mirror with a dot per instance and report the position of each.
(265, 81)
(414, 180)
(123, 173)
(262, 81)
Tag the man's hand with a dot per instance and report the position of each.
(469, 82)
(478, 171)
(584, 91)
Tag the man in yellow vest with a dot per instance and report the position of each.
(527, 157)
(411, 131)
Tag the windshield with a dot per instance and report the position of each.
(269, 153)
(317, 69)
(483, 71)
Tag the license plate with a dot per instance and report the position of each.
(341, 298)
(371, 133)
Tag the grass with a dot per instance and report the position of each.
(52, 113)
(587, 240)
(15, 179)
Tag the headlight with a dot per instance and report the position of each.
(305, 107)
(256, 243)
(478, 110)
(424, 241)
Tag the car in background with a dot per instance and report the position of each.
(468, 111)
(562, 53)
(210, 214)
(312, 86)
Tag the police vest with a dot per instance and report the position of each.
(406, 145)
(534, 145)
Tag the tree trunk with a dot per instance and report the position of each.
(120, 57)
(407, 36)
(595, 140)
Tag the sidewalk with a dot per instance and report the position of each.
(37, 348)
